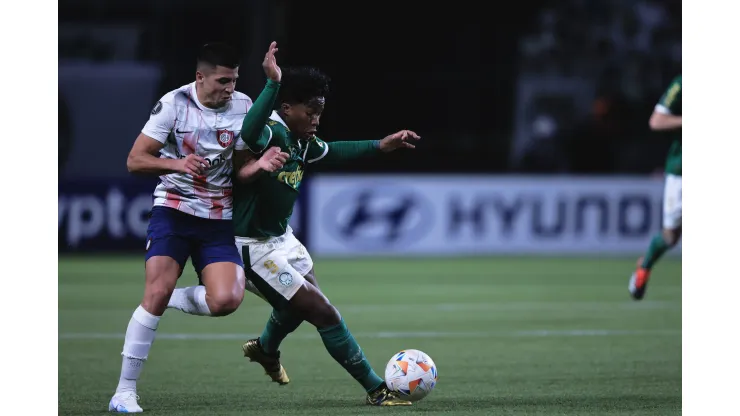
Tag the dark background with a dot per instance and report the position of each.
(500, 87)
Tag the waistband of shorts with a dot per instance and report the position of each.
(269, 240)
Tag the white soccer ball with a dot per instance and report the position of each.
(411, 373)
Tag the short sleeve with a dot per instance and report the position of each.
(256, 145)
(670, 102)
(317, 150)
(161, 121)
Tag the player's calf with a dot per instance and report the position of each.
(161, 277)
(315, 308)
(659, 245)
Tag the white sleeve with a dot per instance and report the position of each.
(161, 121)
(240, 145)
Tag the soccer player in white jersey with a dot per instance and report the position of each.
(188, 142)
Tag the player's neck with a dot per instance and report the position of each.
(203, 100)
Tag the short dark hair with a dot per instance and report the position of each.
(299, 85)
(218, 54)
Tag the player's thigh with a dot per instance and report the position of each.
(167, 250)
(166, 236)
(161, 274)
(300, 259)
(672, 206)
(268, 270)
(217, 261)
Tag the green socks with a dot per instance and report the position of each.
(280, 324)
(337, 339)
(656, 250)
(345, 350)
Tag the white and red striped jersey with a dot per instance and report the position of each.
(185, 126)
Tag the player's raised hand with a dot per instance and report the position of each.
(398, 140)
(193, 165)
(273, 159)
(269, 64)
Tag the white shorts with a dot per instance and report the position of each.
(672, 202)
(274, 266)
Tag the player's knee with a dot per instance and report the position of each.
(671, 237)
(327, 315)
(224, 303)
(156, 296)
(315, 307)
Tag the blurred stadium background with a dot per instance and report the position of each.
(501, 246)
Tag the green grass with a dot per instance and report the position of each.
(510, 336)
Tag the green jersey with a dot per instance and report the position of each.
(263, 207)
(670, 103)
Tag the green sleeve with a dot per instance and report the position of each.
(340, 151)
(254, 132)
(670, 102)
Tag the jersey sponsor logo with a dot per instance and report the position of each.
(157, 108)
(215, 162)
(380, 216)
(212, 162)
(292, 179)
(225, 137)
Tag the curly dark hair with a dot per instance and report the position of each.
(299, 85)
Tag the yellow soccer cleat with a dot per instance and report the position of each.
(253, 350)
(383, 396)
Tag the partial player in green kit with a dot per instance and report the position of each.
(279, 147)
(665, 117)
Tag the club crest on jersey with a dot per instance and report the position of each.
(225, 137)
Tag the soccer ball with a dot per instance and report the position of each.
(411, 373)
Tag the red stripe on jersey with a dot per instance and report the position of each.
(172, 200)
(217, 209)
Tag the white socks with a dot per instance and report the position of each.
(139, 339)
(191, 300)
(141, 330)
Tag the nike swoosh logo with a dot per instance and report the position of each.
(182, 132)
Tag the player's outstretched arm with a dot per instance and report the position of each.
(347, 150)
(254, 121)
(250, 167)
(144, 159)
(664, 121)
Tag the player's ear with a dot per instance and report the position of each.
(285, 107)
(199, 76)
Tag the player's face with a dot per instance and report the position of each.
(303, 119)
(218, 84)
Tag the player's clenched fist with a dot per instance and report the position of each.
(192, 165)
(273, 159)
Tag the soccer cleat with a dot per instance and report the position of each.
(125, 403)
(638, 283)
(383, 396)
(253, 350)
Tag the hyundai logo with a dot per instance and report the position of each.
(378, 217)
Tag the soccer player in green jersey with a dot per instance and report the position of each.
(277, 265)
(665, 117)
